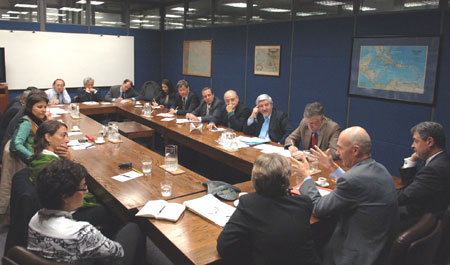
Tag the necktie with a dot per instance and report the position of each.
(264, 129)
(61, 99)
(184, 103)
(207, 109)
(314, 139)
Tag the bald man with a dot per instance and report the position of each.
(364, 201)
(233, 114)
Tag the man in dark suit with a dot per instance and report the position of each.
(315, 129)
(428, 188)
(268, 123)
(364, 201)
(208, 109)
(186, 101)
(233, 114)
(11, 111)
(121, 92)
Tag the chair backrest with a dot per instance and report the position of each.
(20, 255)
(418, 244)
(24, 204)
(150, 90)
(443, 252)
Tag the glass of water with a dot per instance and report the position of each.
(166, 188)
(147, 168)
(171, 157)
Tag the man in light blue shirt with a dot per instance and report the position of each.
(268, 123)
(58, 94)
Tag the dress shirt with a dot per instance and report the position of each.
(250, 121)
(409, 163)
(51, 93)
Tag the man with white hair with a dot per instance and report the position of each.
(364, 200)
(268, 123)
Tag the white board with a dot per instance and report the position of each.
(38, 58)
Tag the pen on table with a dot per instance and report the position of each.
(123, 175)
(137, 171)
(89, 146)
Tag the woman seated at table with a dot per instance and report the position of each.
(166, 97)
(88, 92)
(55, 235)
(269, 226)
(21, 145)
(50, 144)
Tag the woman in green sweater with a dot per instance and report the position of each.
(21, 145)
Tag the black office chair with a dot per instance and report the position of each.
(150, 90)
(19, 255)
(24, 204)
(443, 252)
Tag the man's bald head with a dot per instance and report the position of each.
(358, 136)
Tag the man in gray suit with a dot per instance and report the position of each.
(364, 201)
(120, 92)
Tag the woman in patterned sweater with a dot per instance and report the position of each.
(55, 235)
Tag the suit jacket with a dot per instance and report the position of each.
(162, 97)
(8, 116)
(428, 191)
(265, 230)
(365, 202)
(214, 110)
(114, 92)
(279, 127)
(191, 103)
(84, 96)
(235, 121)
(329, 134)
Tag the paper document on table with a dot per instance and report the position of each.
(90, 103)
(252, 140)
(74, 133)
(127, 176)
(217, 129)
(167, 119)
(125, 101)
(182, 120)
(105, 103)
(211, 208)
(56, 111)
(156, 107)
(165, 115)
(83, 146)
(268, 149)
(161, 209)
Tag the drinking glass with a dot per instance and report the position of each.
(147, 167)
(171, 157)
(166, 188)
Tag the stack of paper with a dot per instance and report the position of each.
(90, 103)
(167, 115)
(56, 111)
(127, 176)
(268, 149)
(211, 208)
(252, 140)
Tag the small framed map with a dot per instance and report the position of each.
(267, 60)
(197, 57)
(402, 68)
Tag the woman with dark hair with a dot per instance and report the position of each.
(55, 235)
(21, 145)
(269, 226)
(50, 143)
(166, 97)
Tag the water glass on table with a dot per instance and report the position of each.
(166, 188)
(147, 167)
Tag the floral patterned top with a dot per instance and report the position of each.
(54, 235)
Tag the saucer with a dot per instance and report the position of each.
(236, 203)
(100, 142)
(324, 185)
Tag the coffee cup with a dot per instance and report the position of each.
(322, 181)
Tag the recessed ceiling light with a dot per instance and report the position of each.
(239, 5)
(17, 12)
(172, 16)
(181, 9)
(152, 16)
(275, 10)
(94, 3)
(330, 3)
(307, 14)
(56, 14)
(414, 4)
(72, 9)
(139, 21)
(148, 25)
(25, 5)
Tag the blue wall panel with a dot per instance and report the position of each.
(228, 64)
(276, 87)
(66, 28)
(173, 55)
(321, 67)
(442, 95)
(147, 56)
(108, 31)
(19, 25)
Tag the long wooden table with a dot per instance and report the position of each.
(102, 163)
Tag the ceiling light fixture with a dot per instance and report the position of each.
(181, 9)
(71, 9)
(17, 12)
(172, 16)
(275, 10)
(94, 3)
(330, 3)
(25, 6)
(307, 14)
(239, 5)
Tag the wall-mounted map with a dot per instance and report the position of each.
(197, 57)
(395, 68)
(267, 60)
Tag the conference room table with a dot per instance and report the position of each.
(204, 142)
(102, 160)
